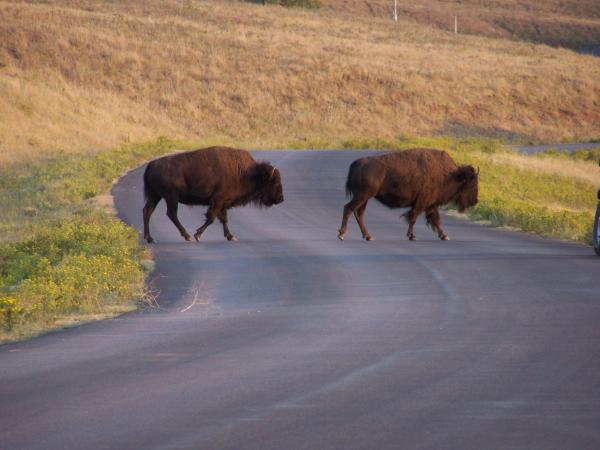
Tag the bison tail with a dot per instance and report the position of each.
(351, 171)
(147, 189)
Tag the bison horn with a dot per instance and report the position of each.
(272, 173)
(477, 170)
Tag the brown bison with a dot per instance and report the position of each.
(219, 177)
(421, 179)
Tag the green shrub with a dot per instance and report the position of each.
(10, 311)
(81, 265)
(59, 256)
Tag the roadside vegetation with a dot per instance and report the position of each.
(580, 155)
(540, 194)
(62, 258)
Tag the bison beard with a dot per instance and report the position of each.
(420, 179)
(219, 177)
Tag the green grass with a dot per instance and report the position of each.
(57, 188)
(61, 257)
(592, 154)
(81, 265)
(545, 204)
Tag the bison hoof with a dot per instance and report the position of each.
(197, 236)
(412, 238)
(231, 238)
(341, 237)
(187, 238)
(444, 237)
(369, 238)
(149, 240)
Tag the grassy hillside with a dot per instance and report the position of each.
(83, 75)
(566, 23)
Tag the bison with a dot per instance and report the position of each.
(219, 177)
(421, 179)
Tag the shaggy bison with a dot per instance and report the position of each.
(421, 179)
(219, 177)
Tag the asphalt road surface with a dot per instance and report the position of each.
(291, 339)
(533, 149)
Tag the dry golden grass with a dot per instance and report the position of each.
(586, 171)
(568, 23)
(85, 75)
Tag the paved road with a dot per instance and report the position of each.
(533, 149)
(291, 339)
(592, 49)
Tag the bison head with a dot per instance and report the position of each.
(267, 182)
(468, 181)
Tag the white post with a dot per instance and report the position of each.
(395, 11)
(455, 24)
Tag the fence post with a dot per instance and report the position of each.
(455, 24)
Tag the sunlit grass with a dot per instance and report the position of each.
(562, 23)
(81, 76)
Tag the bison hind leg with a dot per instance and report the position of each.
(434, 222)
(151, 202)
(359, 214)
(172, 205)
(411, 218)
(350, 208)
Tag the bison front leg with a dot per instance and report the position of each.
(434, 221)
(224, 221)
(172, 203)
(151, 203)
